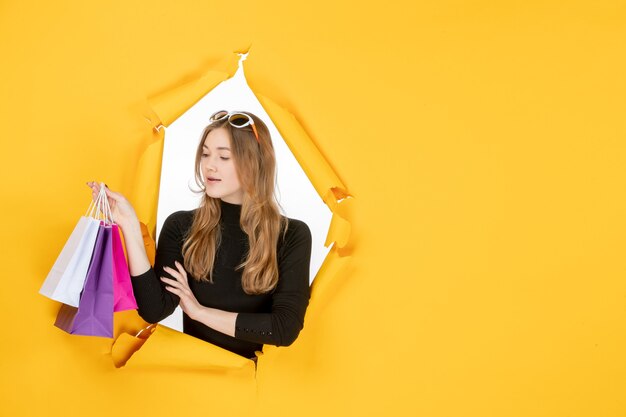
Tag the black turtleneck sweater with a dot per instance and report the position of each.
(275, 318)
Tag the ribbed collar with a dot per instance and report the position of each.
(230, 213)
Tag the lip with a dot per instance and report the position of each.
(211, 179)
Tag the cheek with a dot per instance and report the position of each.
(233, 173)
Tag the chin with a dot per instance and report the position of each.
(213, 194)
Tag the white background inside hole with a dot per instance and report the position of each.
(296, 195)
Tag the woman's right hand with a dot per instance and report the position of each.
(121, 209)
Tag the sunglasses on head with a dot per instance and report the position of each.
(236, 119)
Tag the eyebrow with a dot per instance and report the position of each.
(220, 148)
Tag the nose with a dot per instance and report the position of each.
(209, 164)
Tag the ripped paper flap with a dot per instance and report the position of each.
(170, 348)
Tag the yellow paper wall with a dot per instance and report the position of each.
(484, 145)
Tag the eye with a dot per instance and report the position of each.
(223, 158)
(204, 155)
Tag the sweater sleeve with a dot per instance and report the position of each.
(290, 298)
(154, 302)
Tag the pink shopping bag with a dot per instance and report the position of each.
(123, 289)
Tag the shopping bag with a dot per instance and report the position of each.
(65, 257)
(66, 279)
(94, 316)
(122, 287)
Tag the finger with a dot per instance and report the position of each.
(182, 284)
(182, 295)
(94, 189)
(173, 272)
(171, 282)
(180, 277)
(181, 269)
(113, 195)
(173, 290)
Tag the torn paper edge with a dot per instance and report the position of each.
(166, 107)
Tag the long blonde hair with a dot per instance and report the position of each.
(260, 218)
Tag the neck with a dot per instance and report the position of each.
(230, 212)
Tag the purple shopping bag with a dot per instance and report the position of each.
(122, 287)
(94, 316)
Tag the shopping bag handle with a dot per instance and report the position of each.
(100, 209)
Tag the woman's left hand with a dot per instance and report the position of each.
(180, 287)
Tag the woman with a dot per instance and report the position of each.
(238, 269)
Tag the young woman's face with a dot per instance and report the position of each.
(218, 168)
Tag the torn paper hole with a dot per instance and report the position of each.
(296, 194)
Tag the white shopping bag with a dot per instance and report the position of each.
(60, 265)
(66, 279)
(73, 278)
